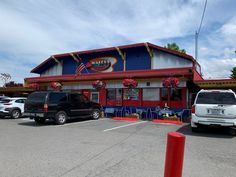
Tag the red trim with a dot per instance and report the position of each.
(215, 80)
(125, 118)
(168, 121)
(197, 76)
(114, 48)
(155, 73)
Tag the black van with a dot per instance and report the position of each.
(60, 106)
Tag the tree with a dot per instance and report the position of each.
(5, 77)
(174, 46)
(233, 75)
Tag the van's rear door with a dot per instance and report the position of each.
(35, 102)
(216, 104)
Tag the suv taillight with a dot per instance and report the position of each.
(193, 109)
(45, 107)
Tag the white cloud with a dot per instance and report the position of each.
(215, 68)
(33, 30)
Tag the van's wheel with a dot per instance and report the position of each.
(39, 120)
(60, 117)
(195, 129)
(232, 131)
(15, 113)
(96, 114)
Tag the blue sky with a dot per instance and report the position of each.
(33, 30)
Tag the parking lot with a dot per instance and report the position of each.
(106, 148)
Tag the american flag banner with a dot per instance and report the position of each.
(80, 68)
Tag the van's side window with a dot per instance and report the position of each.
(75, 97)
(55, 98)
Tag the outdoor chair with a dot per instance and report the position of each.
(109, 111)
(142, 112)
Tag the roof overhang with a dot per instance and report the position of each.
(160, 73)
(219, 83)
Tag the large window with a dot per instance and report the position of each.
(131, 94)
(152, 94)
(176, 94)
(114, 94)
(111, 94)
(164, 94)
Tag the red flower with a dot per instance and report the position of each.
(55, 85)
(170, 82)
(131, 83)
(34, 86)
(98, 84)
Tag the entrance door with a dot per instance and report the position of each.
(95, 96)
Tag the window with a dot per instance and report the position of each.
(164, 94)
(152, 94)
(20, 101)
(95, 97)
(111, 94)
(37, 97)
(131, 94)
(114, 94)
(55, 98)
(176, 94)
(75, 97)
(216, 98)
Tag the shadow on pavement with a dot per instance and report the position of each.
(49, 122)
(206, 132)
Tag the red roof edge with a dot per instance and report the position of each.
(197, 76)
(40, 65)
(216, 80)
(172, 51)
(115, 75)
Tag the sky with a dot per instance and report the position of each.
(33, 30)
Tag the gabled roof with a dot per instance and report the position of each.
(51, 59)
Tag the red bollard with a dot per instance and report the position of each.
(174, 155)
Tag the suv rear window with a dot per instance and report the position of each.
(216, 98)
(37, 97)
(55, 98)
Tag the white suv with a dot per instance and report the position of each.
(214, 108)
(13, 107)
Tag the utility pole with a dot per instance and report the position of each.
(196, 45)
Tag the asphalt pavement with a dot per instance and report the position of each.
(107, 148)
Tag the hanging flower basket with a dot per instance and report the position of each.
(34, 86)
(98, 84)
(130, 83)
(55, 85)
(171, 82)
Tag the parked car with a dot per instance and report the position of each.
(60, 106)
(215, 108)
(13, 107)
(3, 97)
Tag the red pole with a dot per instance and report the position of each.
(174, 155)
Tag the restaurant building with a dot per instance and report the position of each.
(151, 67)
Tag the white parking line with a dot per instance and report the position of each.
(75, 123)
(114, 128)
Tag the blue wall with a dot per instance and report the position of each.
(136, 59)
(69, 65)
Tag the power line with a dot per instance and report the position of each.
(203, 13)
(198, 31)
